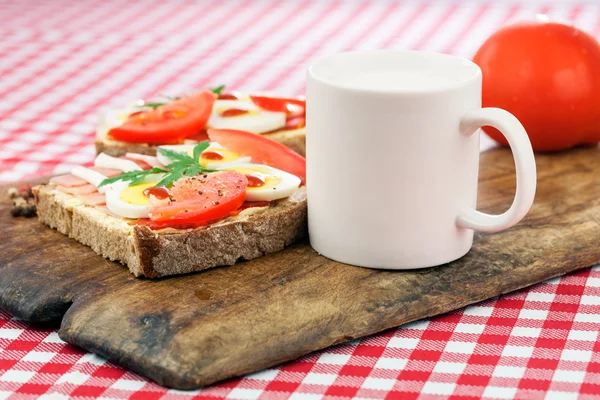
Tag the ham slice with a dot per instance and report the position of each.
(150, 161)
(94, 199)
(68, 180)
(140, 163)
(108, 172)
(78, 190)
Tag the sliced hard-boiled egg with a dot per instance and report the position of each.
(114, 118)
(214, 157)
(106, 161)
(129, 201)
(267, 183)
(246, 116)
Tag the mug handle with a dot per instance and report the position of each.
(520, 145)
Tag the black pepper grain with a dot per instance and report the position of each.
(29, 212)
(23, 202)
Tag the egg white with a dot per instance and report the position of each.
(278, 184)
(119, 206)
(256, 121)
(122, 208)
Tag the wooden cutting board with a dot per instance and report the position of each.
(190, 331)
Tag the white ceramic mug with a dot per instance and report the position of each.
(392, 152)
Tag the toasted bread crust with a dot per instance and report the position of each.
(118, 149)
(154, 254)
(294, 139)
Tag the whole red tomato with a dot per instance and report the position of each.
(548, 75)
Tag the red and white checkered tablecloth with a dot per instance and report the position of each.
(62, 61)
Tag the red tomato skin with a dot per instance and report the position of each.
(262, 150)
(202, 199)
(161, 225)
(162, 127)
(279, 104)
(548, 76)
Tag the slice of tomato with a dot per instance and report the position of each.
(292, 107)
(262, 150)
(161, 225)
(166, 124)
(202, 199)
(200, 136)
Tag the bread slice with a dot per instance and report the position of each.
(152, 254)
(295, 139)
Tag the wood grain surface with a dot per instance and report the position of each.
(190, 331)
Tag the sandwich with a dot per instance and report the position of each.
(235, 196)
(142, 126)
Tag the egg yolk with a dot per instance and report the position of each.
(228, 113)
(224, 156)
(135, 194)
(258, 175)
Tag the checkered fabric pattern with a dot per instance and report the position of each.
(63, 61)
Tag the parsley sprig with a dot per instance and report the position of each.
(133, 177)
(182, 165)
(218, 89)
(154, 105)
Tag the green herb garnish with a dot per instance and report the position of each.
(218, 89)
(182, 165)
(199, 149)
(154, 105)
(133, 177)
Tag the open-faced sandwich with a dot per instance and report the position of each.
(191, 207)
(141, 126)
